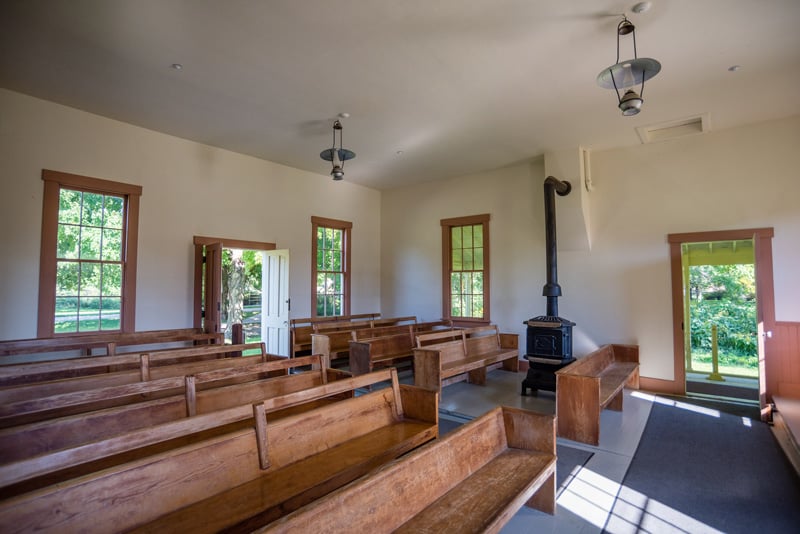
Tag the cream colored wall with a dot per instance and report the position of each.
(619, 291)
(244, 198)
(411, 236)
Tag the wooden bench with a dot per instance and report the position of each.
(594, 382)
(415, 329)
(469, 358)
(21, 446)
(368, 354)
(37, 380)
(107, 342)
(240, 478)
(300, 329)
(472, 480)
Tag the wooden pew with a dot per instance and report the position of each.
(243, 478)
(36, 380)
(594, 382)
(71, 419)
(368, 354)
(468, 358)
(300, 329)
(416, 328)
(108, 342)
(21, 446)
(332, 340)
(472, 480)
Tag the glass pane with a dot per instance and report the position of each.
(338, 283)
(320, 283)
(92, 214)
(455, 306)
(466, 283)
(113, 212)
(335, 305)
(336, 240)
(68, 239)
(336, 261)
(90, 280)
(90, 243)
(467, 237)
(455, 283)
(467, 311)
(329, 283)
(477, 306)
(112, 280)
(455, 237)
(320, 256)
(66, 319)
(478, 259)
(477, 235)
(89, 314)
(110, 314)
(69, 206)
(477, 283)
(458, 264)
(67, 278)
(321, 305)
(112, 245)
(468, 263)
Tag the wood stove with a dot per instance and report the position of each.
(549, 337)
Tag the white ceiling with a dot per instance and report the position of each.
(459, 86)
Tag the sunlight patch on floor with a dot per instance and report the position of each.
(621, 510)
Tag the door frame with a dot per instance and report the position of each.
(212, 282)
(765, 301)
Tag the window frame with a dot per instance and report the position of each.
(447, 254)
(54, 181)
(346, 228)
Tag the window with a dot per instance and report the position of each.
(330, 268)
(87, 272)
(465, 269)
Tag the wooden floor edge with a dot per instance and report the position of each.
(786, 440)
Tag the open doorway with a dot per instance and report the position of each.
(721, 333)
(765, 307)
(243, 283)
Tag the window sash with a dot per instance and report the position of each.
(465, 268)
(98, 271)
(330, 267)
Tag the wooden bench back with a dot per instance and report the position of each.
(142, 374)
(300, 329)
(595, 362)
(27, 373)
(75, 402)
(394, 321)
(481, 340)
(138, 492)
(401, 343)
(437, 337)
(106, 341)
(381, 331)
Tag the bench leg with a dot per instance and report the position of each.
(477, 376)
(616, 402)
(511, 364)
(545, 497)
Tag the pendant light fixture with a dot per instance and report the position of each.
(626, 75)
(337, 155)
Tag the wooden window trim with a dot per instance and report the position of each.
(447, 224)
(53, 182)
(346, 227)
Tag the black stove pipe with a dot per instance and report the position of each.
(551, 289)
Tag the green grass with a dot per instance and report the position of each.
(728, 364)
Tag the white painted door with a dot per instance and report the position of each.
(275, 301)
